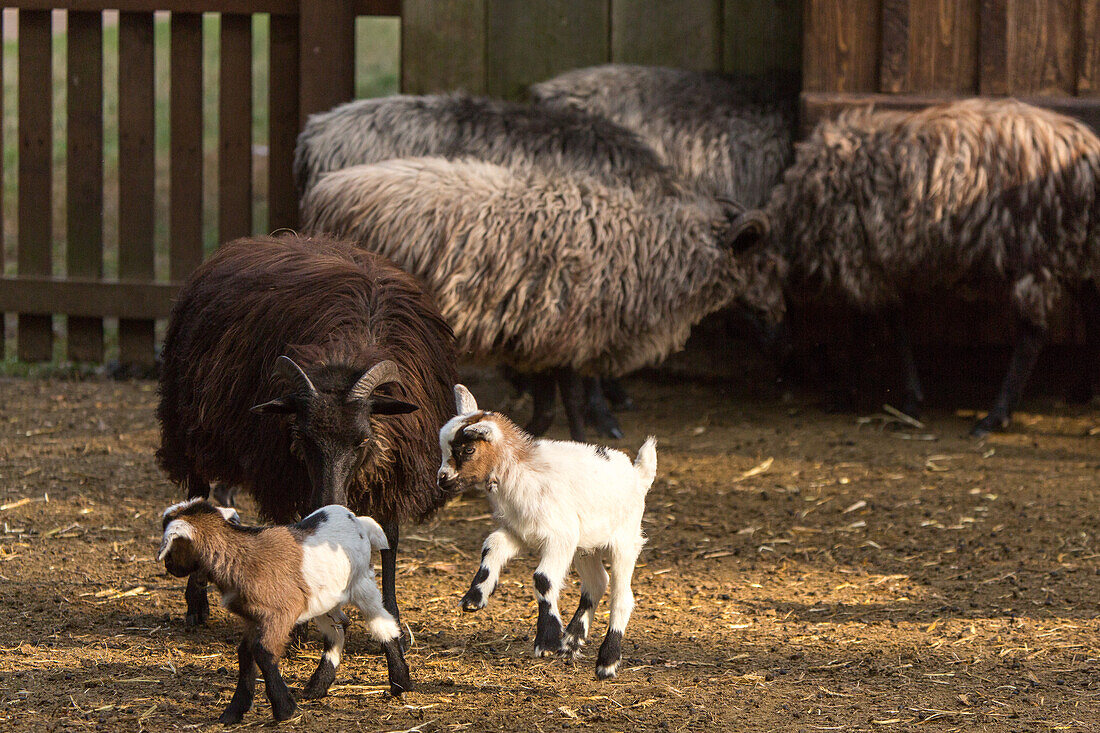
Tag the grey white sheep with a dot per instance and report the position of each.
(557, 273)
(729, 136)
(993, 197)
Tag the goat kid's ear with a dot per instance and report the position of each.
(230, 514)
(464, 400)
(747, 229)
(383, 405)
(176, 530)
(483, 430)
(277, 406)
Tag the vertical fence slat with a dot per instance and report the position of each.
(943, 46)
(327, 57)
(235, 128)
(136, 173)
(185, 183)
(894, 72)
(761, 36)
(683, 34)
(843, 42)
(1043, 46)
(283, 122)
(532, 40)
(442, 46)
(1088, 63)
(35, 172)
(84, 172)
(993, 50)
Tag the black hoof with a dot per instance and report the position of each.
(284, 712)
(231, 717)
(193, 620)
(313, 692)
(473, 601)
(987, 425)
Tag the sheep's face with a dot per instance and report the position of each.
(331, 431)
(759, 271)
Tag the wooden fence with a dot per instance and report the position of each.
(312, 66)
(495, 47)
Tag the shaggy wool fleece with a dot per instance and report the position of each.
(540, 272)
(458, 125)
(730, 136)
(879, 205)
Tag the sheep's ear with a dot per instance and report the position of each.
(230, 514)
(746, 229)
(277, 406)
(176, 530)
(383, 405)
(483, 430)
(464, 400)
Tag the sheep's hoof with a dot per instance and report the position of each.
(231, 716)
(988, 424)
(550, 651)
(571, 647)
(284, 712)
(199, 618)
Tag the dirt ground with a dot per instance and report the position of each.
(804, 572)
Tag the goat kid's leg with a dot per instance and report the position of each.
(266, 650)
(246, 684)
(383, 627)
(597, 412)
(593, 583)
(389, 569)
(622, 603)
(543, 393)
(499, 547)
(549, 576)
(571, 388)
(1029, 342)
(331, 627)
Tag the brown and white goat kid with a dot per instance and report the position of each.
(276, 577)
(572, 502)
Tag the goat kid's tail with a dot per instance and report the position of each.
(374, 532)
(645, 465)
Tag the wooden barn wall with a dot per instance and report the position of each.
(500, 47)
(910, 53)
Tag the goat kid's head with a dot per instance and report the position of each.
(184, 525)
(470, 443)
(763, 272)
(331, 425)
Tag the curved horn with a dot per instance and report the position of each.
(286, 367)
(748, 229)
(379, 374)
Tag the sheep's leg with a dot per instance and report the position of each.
(622, 603)
(499, 547)
(384, 628)
(266, 650)
(1029, 342)
(593, 583)
(597, 412)
(246, 684)
(198, 605)
(543, 393)
(325, 674)
(1088, 302)
(913, 396)
(389, 569)
(616, 394)
(846, 363)
(549, 576)
(572, 398)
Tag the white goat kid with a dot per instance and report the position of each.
(571, 502)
